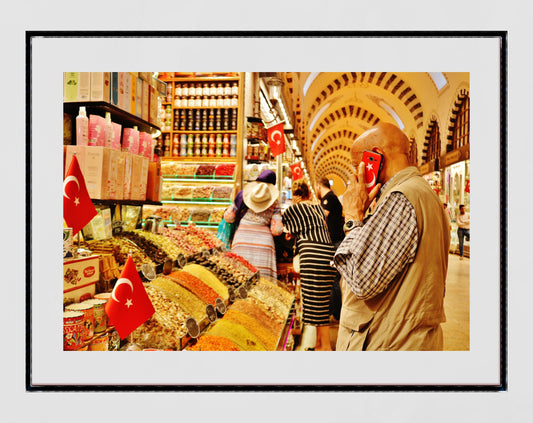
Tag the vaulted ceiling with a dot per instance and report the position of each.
(332, 109)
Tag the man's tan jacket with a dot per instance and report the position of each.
(407, 315)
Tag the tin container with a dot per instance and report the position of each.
(100, 343)
(73, 329)
(88, 317)
(103, 296)
(100, 317)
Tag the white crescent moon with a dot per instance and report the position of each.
(119, 282)
(274, 138)
(371, 183)
(67, 180)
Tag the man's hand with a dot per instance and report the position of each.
(356, 200)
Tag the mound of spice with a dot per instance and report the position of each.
(195, 285)
(267, 338)
(242, 337)
(208, 278)
(213, 343)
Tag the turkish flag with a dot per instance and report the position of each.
(276, 139)
(467, 187)
(129, 306)
(297, 172)
(78, 209)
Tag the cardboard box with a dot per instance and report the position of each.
(139, 177)
(120, 176)
(154, 182)
(101, 172)
(76, 86)
(79, 278)
(145, 111)
(101, 86)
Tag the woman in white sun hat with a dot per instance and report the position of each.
(257, 216)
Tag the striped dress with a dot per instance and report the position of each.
(254, 239)
(307, 222)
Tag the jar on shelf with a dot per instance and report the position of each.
(205, 101)
(233, 145)
(190, 119)
(205, 145)
(205, 119)
(212, 89)
(234, 101)
(212, 101)
(235, 89)
(211, 120)
(220, 89)
(197, 145)
(185, 90)
(218, 145)
(183, 120)
(177, 91)
(190, 145)
(183, 145)
(175, 145)
(211, 146)
(218, 119)
(227, 88)
(192, 90)
(169, 93)
(225, 145)
(233, 122)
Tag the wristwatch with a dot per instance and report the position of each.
(350, 224)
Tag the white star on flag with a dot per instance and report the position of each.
(77, 201)
(369, 166)
(129, 303)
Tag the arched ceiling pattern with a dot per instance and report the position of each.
(338, 106)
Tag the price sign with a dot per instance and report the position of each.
(221, 307)
(211, 312)
(148, 272)
(192, 327)
(243, 293)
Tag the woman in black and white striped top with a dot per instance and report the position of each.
(306, 220)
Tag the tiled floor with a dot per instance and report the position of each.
(456, 303)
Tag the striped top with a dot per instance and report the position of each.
(308, 221)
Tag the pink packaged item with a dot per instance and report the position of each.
(96, 130)
(130, 140)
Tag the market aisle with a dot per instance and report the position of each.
(456, 303)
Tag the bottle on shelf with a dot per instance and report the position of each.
(218, 119)
(211, 146)
(175, 145)
(183, 145)
(190, 145)
(225, 119)
(233, 122)
(233, 145)
(218, 145)
(82, 127)
(197, 145)
(225, 146)
(205, 144)
(211, 120)
(183, 120)
(169, 93)
(166, 147)
(197, 120)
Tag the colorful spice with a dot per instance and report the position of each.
(245, 340)
(208, 278)
(267, 338)
(214, 343)
(185, 298)
(195, 285)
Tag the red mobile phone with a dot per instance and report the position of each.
(373, 162)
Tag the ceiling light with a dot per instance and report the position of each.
(274, 89)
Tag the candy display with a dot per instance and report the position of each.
(229, 269)
(223, 192)
(166, 326)
(205, 170)
(202, 191)
(200, 215)
(216, 215)
(225, 169)
(158, 247)
(275, 298)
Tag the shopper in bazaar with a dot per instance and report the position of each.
(257, 217)
(394, 260)
(463, 228)
(335, 220)
(306, 220)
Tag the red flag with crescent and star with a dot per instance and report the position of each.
(129, 305)
(297, 172)
(276, 139)
(78, 209)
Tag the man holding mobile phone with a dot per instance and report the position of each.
(394, 258)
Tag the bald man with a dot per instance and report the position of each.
(394, 258)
